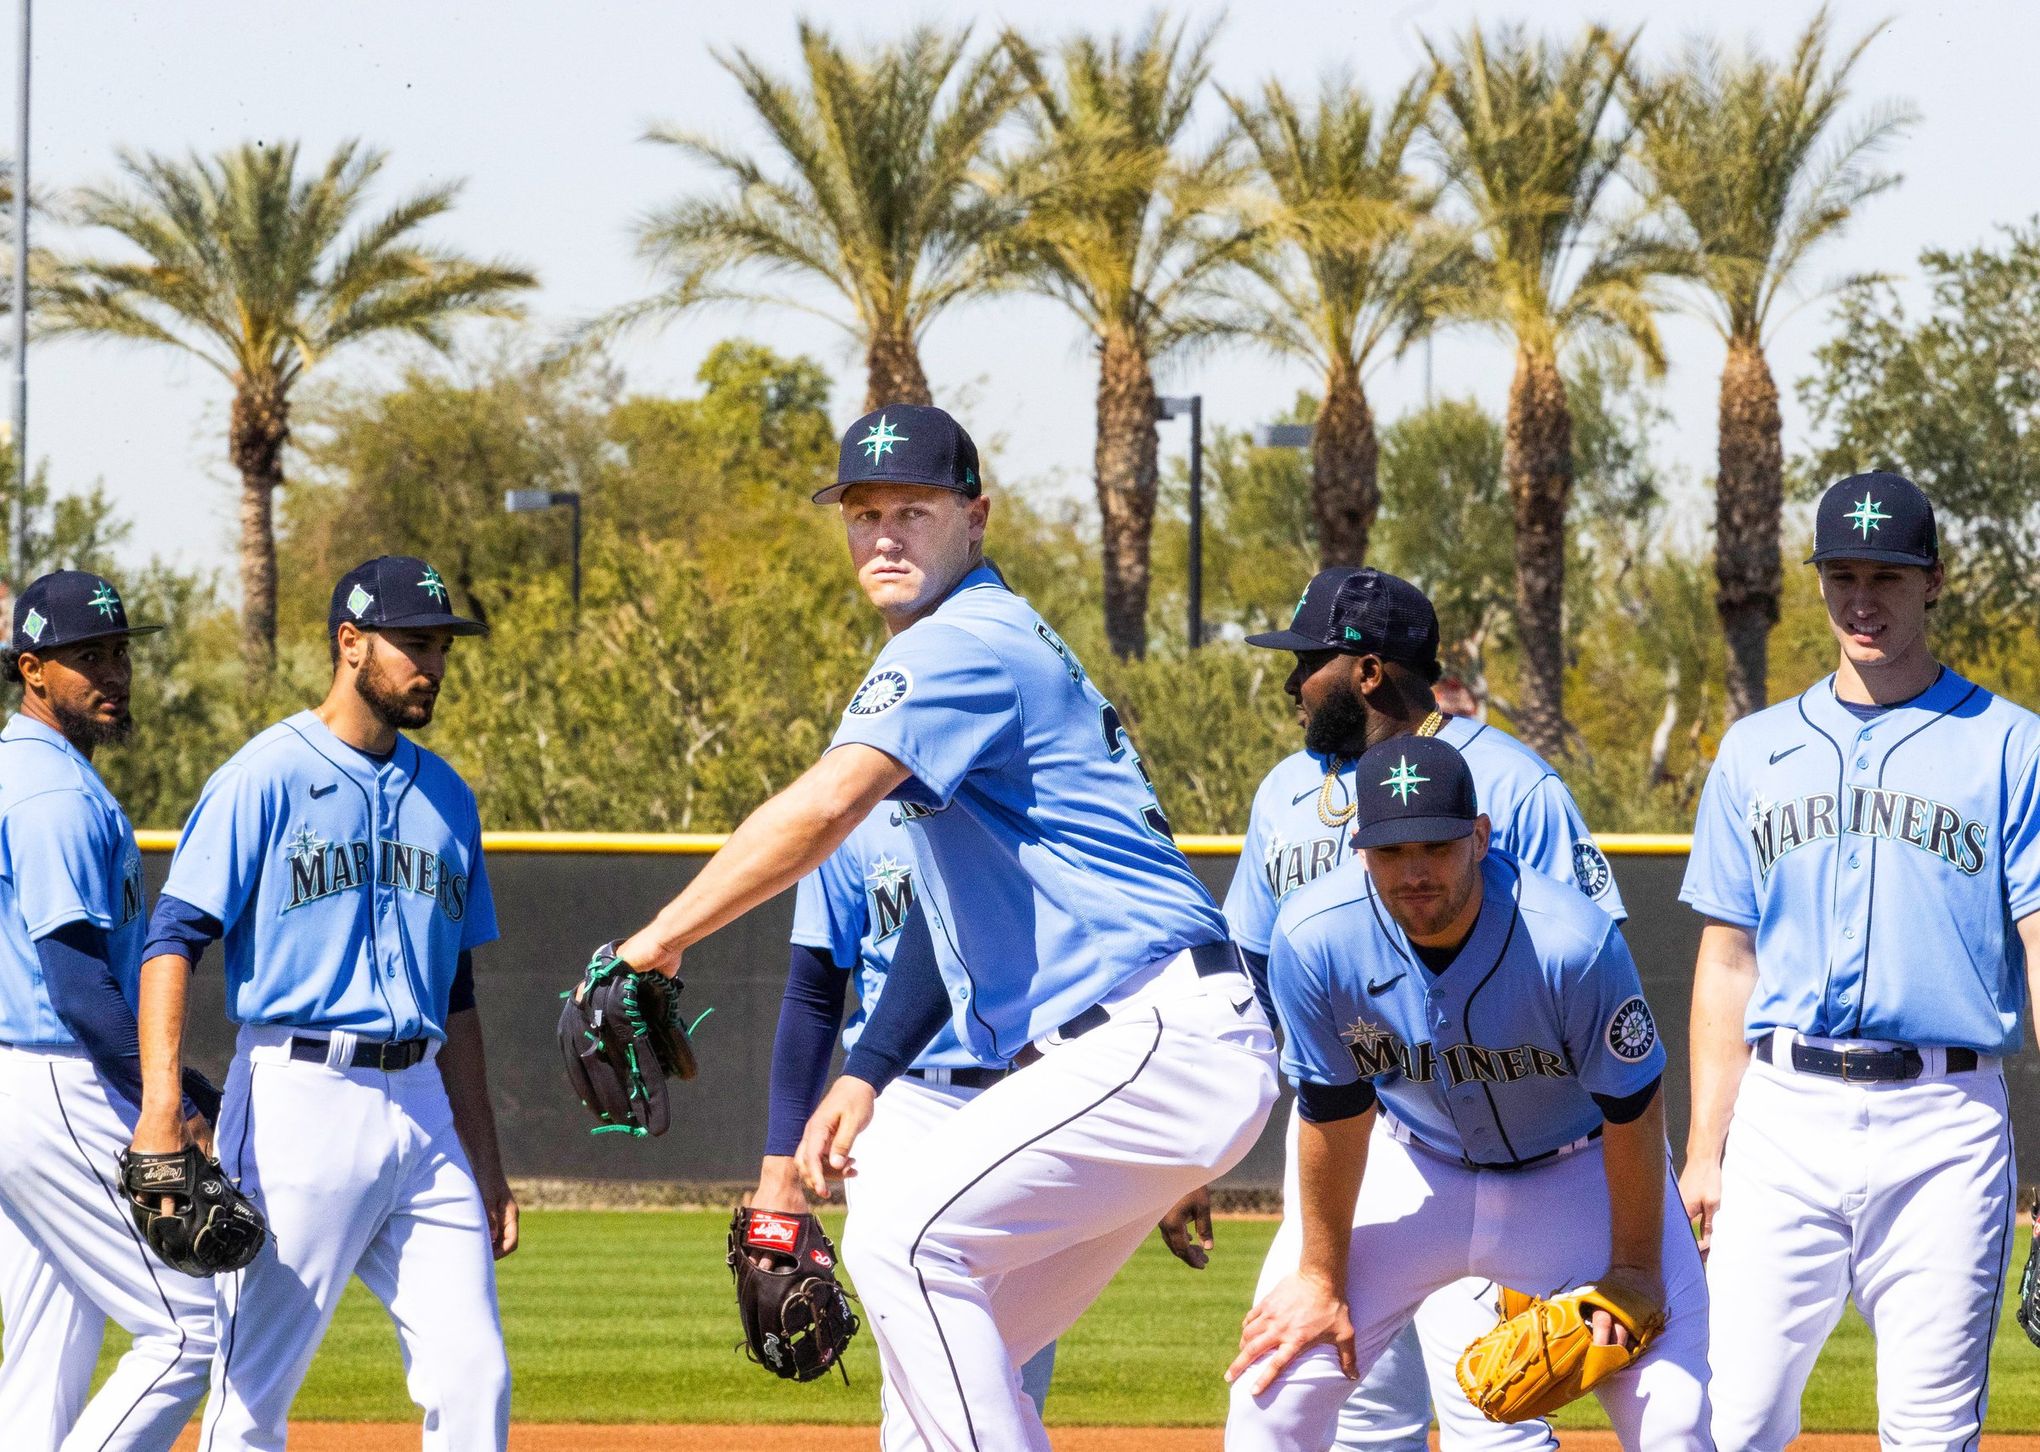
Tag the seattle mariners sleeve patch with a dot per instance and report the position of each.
(1591, 870)
(1632, 1032)
(882, 690)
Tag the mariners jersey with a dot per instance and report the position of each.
(348, 887)
(1289, 844)
(1883, 864)
(1046, 865)
(852, 906)
(67, 855)
(1498, 1058)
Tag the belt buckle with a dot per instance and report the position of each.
(1842, 1056)
(391, 1055)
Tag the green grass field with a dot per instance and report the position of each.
(627, 1317)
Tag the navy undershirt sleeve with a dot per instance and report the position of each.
(1257, 974)
(910, 1012)
(802, 1046)
(1629, 1106)
(178, 927)
(90, 1004)
(461, 996)
(1329, 1103)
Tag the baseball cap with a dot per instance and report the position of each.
(67, 607)
(392, 592)
(906, 443)
(1412, 789)
(1881, 516)
(1361, 611)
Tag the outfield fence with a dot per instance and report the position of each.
(559, 895)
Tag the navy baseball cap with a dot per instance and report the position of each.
(396, 592)
(1361, 611)
(1412, 789)
(1883, 517)
(906, 443)
(67, 607)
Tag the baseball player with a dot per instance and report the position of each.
(1366, 647)
(1867, 857)
(1068, 934)
(342, 864)
(848, 918)
(71, 924)
(1497, 1016)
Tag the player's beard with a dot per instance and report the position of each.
(394, 708)
(87, 729)
(1338, 725)
(1437, 915)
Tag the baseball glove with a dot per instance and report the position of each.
(2029, 1286)
(622, 1037)
(1542, 1355)
(211, 1226)
(797, 1317)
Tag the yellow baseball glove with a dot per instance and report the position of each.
(1541, 1354)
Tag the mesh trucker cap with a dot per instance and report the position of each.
(67, 607)
(392, 592)
(1361, 611)
(1882, 517)
(906, 443)
(1412, 789)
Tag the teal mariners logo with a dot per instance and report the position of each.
(1867, 515)
(319, 869)
(1632, 1032)
(882, 690)
(882, 440)
(433, 585)
(1403, 782)
(1778, 829)
(105, 601)
(34, 624)
(1377, 1051)
(1590, 869)
(889, 888)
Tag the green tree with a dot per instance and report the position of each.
(261, 272)
(880, 194)
(1532, 138)
(1359, 273)
(1748, 154)
(1135, 237)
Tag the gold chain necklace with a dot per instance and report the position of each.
(1339, 816)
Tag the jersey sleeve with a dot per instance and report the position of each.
(218, 862)
(827, 908)
(1549, 835)
(1610, 1034)
(939, 702)
(2022, 841)
(1313, 1052)
(478, 921)
(59, 855)
(1250, 902)
(1718, 881)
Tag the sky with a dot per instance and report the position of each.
(540, 108)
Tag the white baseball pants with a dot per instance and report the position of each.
(1424, 1222)
(71, 1260)
(1898, 1196)
(360, 1173)
(1024, 1202)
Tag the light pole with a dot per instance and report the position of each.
(1179, 406)
(530, 501)
(17, 510)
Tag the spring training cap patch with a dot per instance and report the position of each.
(1632, 1032)
(882, 690)
(906, 443)
(1413, 789)
(1882, 517)
(1361, 611)
(396, 591)
(67, 607)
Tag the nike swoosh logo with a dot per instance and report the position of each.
(331, 786)
(1778, 756)
(1306, 792)
(1385, 984)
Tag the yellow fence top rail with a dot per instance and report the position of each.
(706, 844)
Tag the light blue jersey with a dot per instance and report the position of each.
(67, 855)
(1289, 844)
(852, 906)
(1498, 1058)
(1883, 864)
(1046, 865)
(348, 889)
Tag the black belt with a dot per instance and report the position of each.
(963, 1078)
(1507, 1165)
(389, 1057)
(1211, 959)
(1864, 1066)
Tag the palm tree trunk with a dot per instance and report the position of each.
(892, 370)
(1344, 454)
(1538, 462)
(1747, 500)
(1127, 474)
(258, 429)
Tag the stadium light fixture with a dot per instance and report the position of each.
(531, 501)
(1191, 406)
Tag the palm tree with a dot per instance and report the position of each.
(261, 273)
(881, 197)
(1368, 270)
(1532, 137)
(1137, 240)
(1745, 152)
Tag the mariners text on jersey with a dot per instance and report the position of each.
(319, 868)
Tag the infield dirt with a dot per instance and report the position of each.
(569, 1437)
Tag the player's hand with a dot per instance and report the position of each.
(157, 1134)
(1644, 1281)
(646, 954)
(501, 1206)
(824, 1153)
(779, 1187)
(198, 1130)
(1298, 1314)
(1700, 1191)
(1186, 1229)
